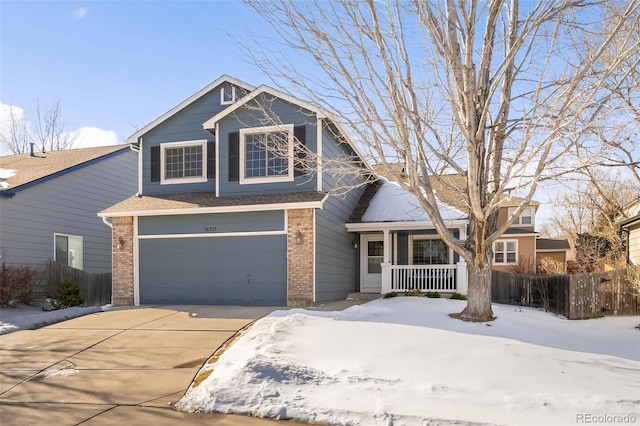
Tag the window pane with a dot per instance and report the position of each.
(75, 252)
(266, 154)
(430, 252)
(511, 257)
(373, 265)
(499, 257)
(526, 220)
(62, 249)
(498, 246)
(511, 246)
(375, 248)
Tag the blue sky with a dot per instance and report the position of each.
(116, 65)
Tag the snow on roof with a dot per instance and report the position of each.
(393, 204)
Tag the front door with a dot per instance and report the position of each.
(371, 256)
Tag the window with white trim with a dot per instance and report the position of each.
(183, 162)
(68, 250)
(505, 252)
(429, 251)
(227, 95)
(266, 154)
(526, 218)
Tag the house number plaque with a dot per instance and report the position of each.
(210, 229)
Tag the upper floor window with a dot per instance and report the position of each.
(266, 154)
(183, 162)
(227, 95)
(68, 250)
(505, 252)
(526, 218)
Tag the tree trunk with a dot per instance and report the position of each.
(479, 292)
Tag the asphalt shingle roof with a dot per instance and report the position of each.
(181, 201)
(30, 169)
(552, 244)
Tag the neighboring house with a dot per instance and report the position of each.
(631, 228)
(48, 206)
(221, 217)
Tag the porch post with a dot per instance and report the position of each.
(386, 263)
(462, 280)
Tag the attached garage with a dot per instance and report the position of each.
(226, 270)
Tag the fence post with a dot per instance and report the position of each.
(462, 281)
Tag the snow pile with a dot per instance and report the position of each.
(24, 317)
(366, 366)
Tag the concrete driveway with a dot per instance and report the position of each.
(123, 366)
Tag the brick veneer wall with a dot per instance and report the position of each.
(300, 258)
(122, 281)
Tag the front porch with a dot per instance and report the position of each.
(440, 278)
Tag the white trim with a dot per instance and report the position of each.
(140, 180)
(217, 160)
(221, 209)
(179, 144)
(191, 99)
(419, 237)
(320, 112)
(233, 96)
(319, 140)
(211, 235)
(400, 226)
(552, 250)
(505, 241)
(136, 263)
(288, 128)
(314, 255)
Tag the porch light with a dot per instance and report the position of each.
(354, 244)
(120, 243)
(299, 238)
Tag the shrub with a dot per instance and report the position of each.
(458, 296)
(68, 295)
(18, 282)
(432, 294)
(7, 287)
(390, 295)
(412, 292)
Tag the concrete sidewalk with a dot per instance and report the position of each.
(116, 367)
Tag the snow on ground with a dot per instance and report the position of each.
(404, 361)
(24, 317)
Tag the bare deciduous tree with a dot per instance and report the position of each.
(476, 88)
(47, 130)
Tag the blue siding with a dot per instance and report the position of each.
(222, 222)
(247, 118)
(184, 126)
(226, 270)
(67, 205)
(336, 259)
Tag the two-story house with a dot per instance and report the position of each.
(226, 213)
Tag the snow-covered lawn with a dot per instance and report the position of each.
(24, 317)
(404, 361)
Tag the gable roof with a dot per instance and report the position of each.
(31, 170)
(191, 99)
(630, 222)
(320, 112)
(388, 202)
(207, 202)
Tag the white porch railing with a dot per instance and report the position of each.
(442, 278)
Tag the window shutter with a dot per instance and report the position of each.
(299, 155)
(234, 156)
(155, 164)
(211, 159)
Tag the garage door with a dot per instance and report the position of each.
(243, 270)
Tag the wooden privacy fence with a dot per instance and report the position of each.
(576, 296)
(95, 288)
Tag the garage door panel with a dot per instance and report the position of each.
(219, 270)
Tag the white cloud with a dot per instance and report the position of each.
(87, 137)
(80, 13)
(5, 115)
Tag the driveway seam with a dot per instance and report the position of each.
(83, 350)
